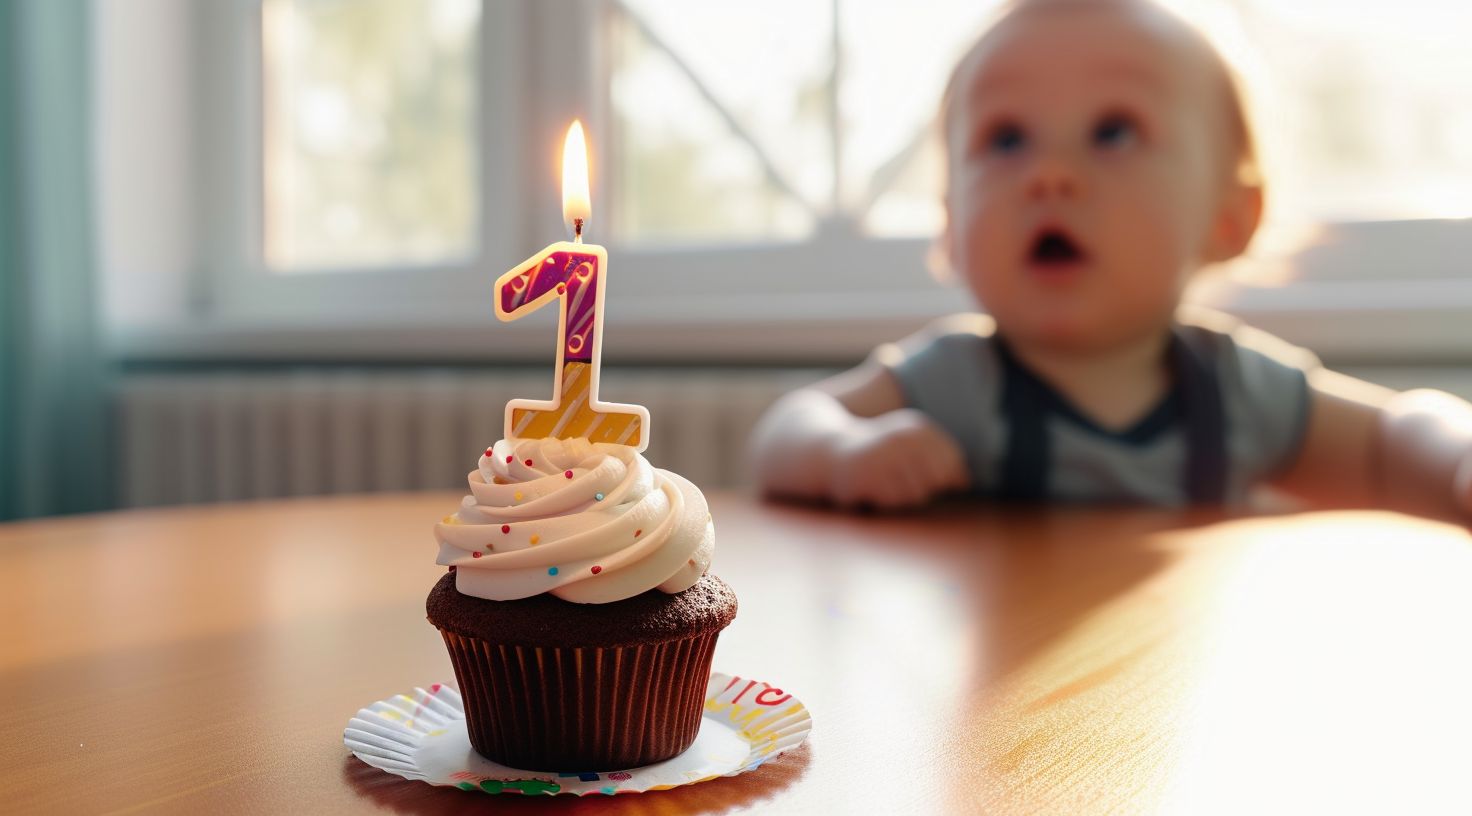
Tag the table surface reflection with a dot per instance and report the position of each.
(968, 659)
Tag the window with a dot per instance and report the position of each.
(369, 132)
(1367, 118)
(1371, 116)
(766, 131)
(363, 169)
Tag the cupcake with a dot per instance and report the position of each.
(578, 611)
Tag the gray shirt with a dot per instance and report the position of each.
(959, 373)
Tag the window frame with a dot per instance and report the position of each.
(720, 303)
(236, 282)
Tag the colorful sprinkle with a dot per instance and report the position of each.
(489, 452)
(505, 528)
(551, 570)
(435, 689)
(598, 496)
(597, 570)
(620, 775)
(510, 459)
(638, 533)
(567, 473)
(517, 496)
(527, 462)
(526, 787)
(536, 540)
(475, 554)
(561, 288)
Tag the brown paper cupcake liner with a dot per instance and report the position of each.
(582, 709)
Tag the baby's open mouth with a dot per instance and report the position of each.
(1054, 247)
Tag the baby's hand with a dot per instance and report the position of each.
(895, 460)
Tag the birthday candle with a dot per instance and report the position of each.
(572, 274)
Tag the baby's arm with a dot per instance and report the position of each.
(1367, 445)
(850, 439)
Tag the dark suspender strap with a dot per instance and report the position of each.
(1206, 425)
(1028, 458)
(1027, 461)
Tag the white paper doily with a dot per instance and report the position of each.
(422, 736)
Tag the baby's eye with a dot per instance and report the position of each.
(1115, 132)
(1006, 138)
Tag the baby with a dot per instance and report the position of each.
(1098, 156)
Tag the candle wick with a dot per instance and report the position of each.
(577, 230)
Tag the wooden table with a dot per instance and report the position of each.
(967, 660)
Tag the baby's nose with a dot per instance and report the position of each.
(1052, 178)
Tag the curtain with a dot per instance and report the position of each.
(54, 440)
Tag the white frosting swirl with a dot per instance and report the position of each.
(534, 522)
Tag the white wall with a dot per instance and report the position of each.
(144, 140)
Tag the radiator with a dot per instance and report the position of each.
(189, 437)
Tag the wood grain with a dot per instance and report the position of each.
(961, 661)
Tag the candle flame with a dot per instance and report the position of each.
(575, 204)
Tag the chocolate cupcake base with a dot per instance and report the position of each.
(555, 686)
(581, 709)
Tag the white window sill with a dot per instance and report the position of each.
(1345, 323)
(1371, 293)
(1414, 321)
(746, 329)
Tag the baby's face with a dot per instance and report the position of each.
(1087, 153)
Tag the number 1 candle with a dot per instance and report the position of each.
(572, 274)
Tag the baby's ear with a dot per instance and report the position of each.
(1236, 221)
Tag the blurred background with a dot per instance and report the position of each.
(247, 246)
